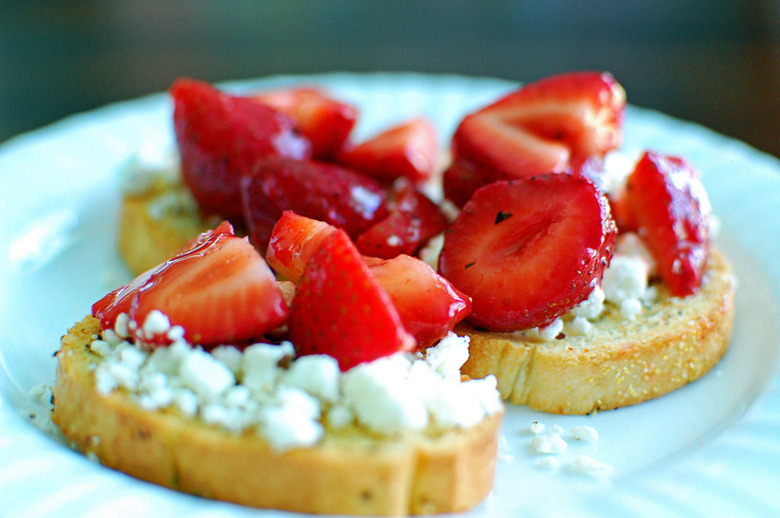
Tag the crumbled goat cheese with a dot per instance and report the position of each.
(206, 376)
(381, 400)
(317, 374)
(549, 443)
(553, 446)
(591, 307)
(584, 433)
(584, 465)
(626, 278)
(579, 326)
(550, 331)
(287, 399)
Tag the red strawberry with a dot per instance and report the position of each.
(409, 150)
(461, 179)
(220, 291)
(621, 212)
(326, 122)
(318, 190)
(552, 125)
(341, 310)
(221, 137)
(670, 207)
(528, 250)
(429, 306)
(293, 241)
(413, 220)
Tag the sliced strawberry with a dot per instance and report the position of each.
(529, 250)
(409, 150)
(549, 126)
(622, 213)
(670, 207)
(318, 190)
(221, 137)
(323, 120)
(293, 241)
(413, 220)
(219, 291)
(341, 310)
(461, 179)
(428, 304)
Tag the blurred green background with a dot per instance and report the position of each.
(716, 63)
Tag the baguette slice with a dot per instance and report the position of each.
(349, 472)
(619, 362)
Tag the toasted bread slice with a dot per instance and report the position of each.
(350, 471)
(618, 362)
(155, 223)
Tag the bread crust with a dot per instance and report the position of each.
(349, 472)
(619, 362)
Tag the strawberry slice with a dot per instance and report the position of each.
(323, 120)
(408, 150)
(553, 125)
(528, 250)
(340, 309)
(428, 304)
(120, 300)
(413, 220)
(294, 239)
(461, 179)
(326, 192)
(221, 137)
(219, 291)
(668, 202)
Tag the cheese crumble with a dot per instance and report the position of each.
(289, 400)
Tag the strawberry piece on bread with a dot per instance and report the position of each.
(340, 308)
(407, 150)
(319, 190)
(529, 250)
(428, 304)
(324, 121)
(413, 220)
(665, 198)
(220, 291)
(294, 239)
(552, 125)
(220, 138)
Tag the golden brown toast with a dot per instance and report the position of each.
(618, 362)
(350, 471)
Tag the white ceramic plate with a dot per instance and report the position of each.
(711, 448)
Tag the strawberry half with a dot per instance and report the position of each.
(323, 120)
(428, 304)
(529, 250)
(341, 310)
(408, 150)
(294, 239)
(326, 192)
(413, 220)
(669, 205)
(220, 291)
(221, 137)
(552, 125)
